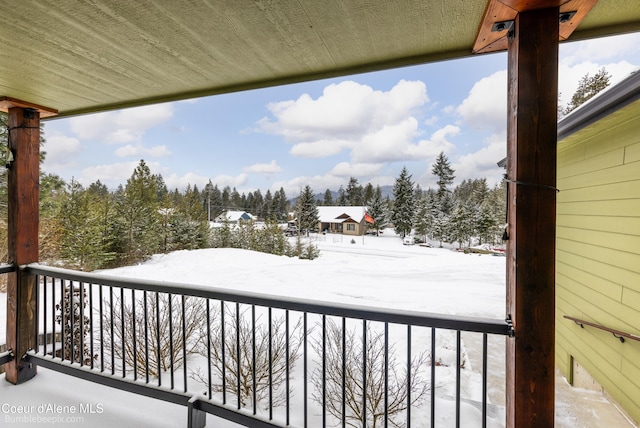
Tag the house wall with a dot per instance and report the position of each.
(598, 256)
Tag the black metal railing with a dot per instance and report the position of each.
(263, 360)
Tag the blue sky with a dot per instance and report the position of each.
(322, 133)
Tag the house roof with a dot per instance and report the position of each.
(615, 104)
(330, 214)
(77, 56)
(235, 215)
(621, 100)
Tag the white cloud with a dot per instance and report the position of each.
(123, 126)
(141, 151)
(486, 106)
(601, 49)
(61, 151)
(267, 169)
(346, 169)
(345, 116)
(395, 143)
(484, 162)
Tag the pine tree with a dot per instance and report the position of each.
(342, 197)
(354, 193)
(307, 210)
(587, 88)
(424, 215)
(442, 169)
(378, 210)
(138, 212)
(328, 198)
(403, 204)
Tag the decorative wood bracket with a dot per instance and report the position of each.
(493, 32)
(7, 102)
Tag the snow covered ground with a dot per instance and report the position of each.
(375, 271)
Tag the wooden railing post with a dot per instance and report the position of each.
(23, 218)
(531, 174)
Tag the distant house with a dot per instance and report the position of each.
(350, 220)
(598, 244)
(234, 217)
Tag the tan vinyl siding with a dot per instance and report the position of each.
(598, 255)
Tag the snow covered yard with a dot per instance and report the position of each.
(372, 271)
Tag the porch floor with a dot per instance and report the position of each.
(68, 401)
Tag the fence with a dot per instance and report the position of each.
(260, 360)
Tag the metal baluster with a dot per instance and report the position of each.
(122, 333)
(238, 352)
(208, 346)
(270, 320)
(82, 309)
(146, 336)
(91, 345)
(324, 370)
(286, 339)
(113, 364)
(484, 380)
(433, 377)
(304, 352)
(344, 372)
(409, 376)
(134, 335)
(223, 346)
(71, 332)
(44, 312)
(53, 317)
(184, 341)
(100, 296)
(386, 374)
(253, 355)
(171, 362)
(364, 373)
(158, 334)
(458, 361)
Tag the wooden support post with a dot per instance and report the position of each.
(23, 218)
(531, 171)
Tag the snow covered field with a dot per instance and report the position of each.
(372, 271)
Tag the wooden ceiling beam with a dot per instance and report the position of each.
(493, 38)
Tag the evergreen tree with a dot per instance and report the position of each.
(188, 223)
(369, 193)
(83, 244)
(587, 88)
(342, 197)
(138, 212)
(283, 205)
(378, 210)
(442, 169)
(267, 206)
(354, 193)
(307, 210)
(328, 198)
(403, 204)
(424, 215)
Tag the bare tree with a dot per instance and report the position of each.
(350, 372)
(148, 331)
(274, 347)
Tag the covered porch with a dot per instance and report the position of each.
(76, 58)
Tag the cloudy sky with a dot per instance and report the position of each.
(322, 133)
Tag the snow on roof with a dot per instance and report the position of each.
(330, 214)
(235, 216)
